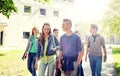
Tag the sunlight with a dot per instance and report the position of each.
(87, 10)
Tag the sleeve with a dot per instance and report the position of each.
(88, 42)
(79, 44)
(61, 44)
(103, 42)
(28, 44)
(83, 46)
(38, 53)
(57, 43)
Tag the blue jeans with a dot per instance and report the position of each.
(43, 66)
(31, 63)
(80, 70)
(95, 64)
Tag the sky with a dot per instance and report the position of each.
(86, 10)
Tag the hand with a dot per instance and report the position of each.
(25, 55)
(60, 66)
(54, 49)
(105, 58)
(78, 61)
(36, 66)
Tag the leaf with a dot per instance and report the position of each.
(112, 17)
(7, 7)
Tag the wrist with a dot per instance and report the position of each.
(105, 55)
(59, 62)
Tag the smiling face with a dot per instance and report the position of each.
(93, 28)
(35, 31)
(46, 29)
(56, 33)
(66, 25)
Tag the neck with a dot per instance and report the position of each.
(46, 36)
(94, 33)
(35, 34)
(69, 32)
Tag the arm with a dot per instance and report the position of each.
(83, 48)
(80, 49)
(59, 60)
(105, 54)
(56, 44)
(60, 55)
(104, 49)
(36, 63)
(80, 55)
(28, 44)
(27, 49)
(87, 49)
(86, 55)
(37, 55)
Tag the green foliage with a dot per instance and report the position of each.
(116, 55)
(7, 7)
(112, 18)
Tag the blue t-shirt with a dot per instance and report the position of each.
(70, 45)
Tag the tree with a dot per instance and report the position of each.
(112, 17)
(7, 7)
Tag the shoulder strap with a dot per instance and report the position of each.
(53, 41)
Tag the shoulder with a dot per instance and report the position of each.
(90, 36)
(50, 36)
(31, 37)
(64, 35)
(100, 36)
(76, 35)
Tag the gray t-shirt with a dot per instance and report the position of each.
(70, 45)
(95, 43)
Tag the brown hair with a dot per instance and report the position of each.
(68, 20)
(55, 29)
(42, 38)
(34, 28)
(94, 26)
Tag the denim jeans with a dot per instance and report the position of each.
(80, 70)
(95, 64)
(31, 63)
(43, 66)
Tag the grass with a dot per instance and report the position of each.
(116, 56)
(11, 63)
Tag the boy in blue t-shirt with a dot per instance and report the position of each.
(70, 50)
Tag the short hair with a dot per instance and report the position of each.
(55, 29)
(94, 26)
(68, 20)
(76, 31)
